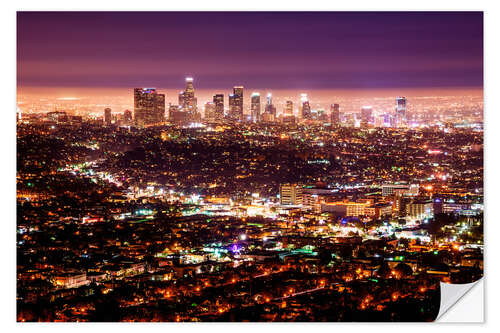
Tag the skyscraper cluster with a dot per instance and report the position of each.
(149, 107)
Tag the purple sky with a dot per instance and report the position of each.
(339, 50)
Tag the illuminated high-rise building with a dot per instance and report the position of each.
(335, 114)
(190, 102)
(255, 106)
(232, 106)
(270, 109)
(401, 115)
(291, 194)
(236, 104)
(306, 108)
(218, 100)
(210, 111)
(289, 108)
(366, 115)
(107, 116)
(149, 106)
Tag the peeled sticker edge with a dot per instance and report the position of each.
(451, 294)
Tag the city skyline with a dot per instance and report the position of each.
(119, 99)
(247, 166)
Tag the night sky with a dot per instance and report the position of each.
(322, 50)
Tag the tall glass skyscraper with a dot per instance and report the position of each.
(335, 114)
(236, 104)
(149, 106)
(189, 102)
(219, 106)
(270, 109)
(306, 108)
(401, 110)
(107, 116)
(210, 110)
(366, 115)
(255, 106)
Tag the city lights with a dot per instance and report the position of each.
(230, 194)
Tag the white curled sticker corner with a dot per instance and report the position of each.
(457, 306)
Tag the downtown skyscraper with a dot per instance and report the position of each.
(335, 115)
(270, 108)
(149, 107)
(188, 103)
(107, 116)
(210, 111)
(306, 108)
(401, 111)
(366, 116)
(218, 100)
(236, 104)
(255, 106)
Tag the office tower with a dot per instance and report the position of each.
(189, 101)
(127, 116)
(270, 109)
(291, 194)
(236, 104)
(149, 106)
(289, 108)
(232, 107)
(366, 115)
(335, 115)
(401, 115)
(219, 106)
(306, 108)
(420, 209)
(210, 111)
(176, 116)
(160, 107)
(255, 106)
(171, 109)
(107, 116)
